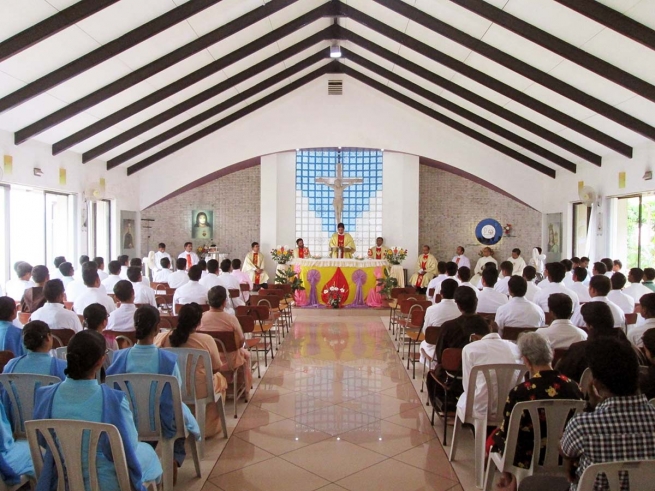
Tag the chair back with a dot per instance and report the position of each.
(124, 339)
(555, 413)
(226, 343)
(5, 356)
(60, 353)
(558, 354)
(270, 301)
(246, 322)
(24, 317)
(499, 379)
(451, 360)
(144, 391)
(163, 300)
(416, 318)
(285, 287)
(437, 298)
(631, 319)
(20, 388)
(488, 316)
(639, 473)
(584, 381)
(234, 292)
(61, 337)
(188, 360)
(513, 333)
(244, 287)
(178, 306)
(258, 312)
(432, 334)
(64, 438)
(431, 292)
(168, 322)
(400, 290)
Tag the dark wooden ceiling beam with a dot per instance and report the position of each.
(471, 96)
(287, 89)
(51, 26)
(146, 71)
(450, 122)
(614, 20)
(556, 45)
(217, 109)
(460, 111)
(104, 52)
(205, 95)
(520, 67)
(488, 81)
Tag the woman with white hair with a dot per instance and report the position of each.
(544, 383)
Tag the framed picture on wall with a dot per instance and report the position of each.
(554, 237)
(202, 224)
(128, 233)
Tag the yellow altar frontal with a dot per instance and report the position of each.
(352, 278)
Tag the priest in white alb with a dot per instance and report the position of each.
(517, 261)
(487, 257)
(426, 266)
(379, 251)
(253, 266)
(301, 252)
(342, 244)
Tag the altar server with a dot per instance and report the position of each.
(517, 262)
(426, 266)
(253, 266)
(159, 255)
(342, 244)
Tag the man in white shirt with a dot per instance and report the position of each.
(450, 272)
(16, 287)
(66, 270)
(53, 312)
(635, 333)
(599, 268)
(124, 261)
(142, 294)
(75, 288)
(114, 276)
(78, 272)
(460, 259)
(439, 313)
(122, 319)
(191, 291)
(211, 278)
(568, 277)
(55, 274)
(161, 254)
(555, 273)
(519, 312)
(190, 257)
(609, 265)
(164, 271)
(489, 299)
(561, 333)
(517, 261)
(625, 302)
(636, 290)
(491, 349)
(599, 287)
(180, 277)
(100, 262)
(500, 285)
(579, 287)
(464, 275)
(229, 282)
(93, 293)
(529, 274)
(136, 262)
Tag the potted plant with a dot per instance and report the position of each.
(388, 283)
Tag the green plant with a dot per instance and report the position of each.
(289, 276)
(387, 283)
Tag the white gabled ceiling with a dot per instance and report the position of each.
(125, 15)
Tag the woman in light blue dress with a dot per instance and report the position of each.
(15, 457)
(38, 341)
(80, 397)
(145, 357)
(10, 335)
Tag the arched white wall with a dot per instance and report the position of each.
(361, 117)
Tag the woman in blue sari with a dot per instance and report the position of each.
(145, 357)
(80, 397)
(38, 341)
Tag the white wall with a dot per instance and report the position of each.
(362, 117)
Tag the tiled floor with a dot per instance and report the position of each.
(335, 410)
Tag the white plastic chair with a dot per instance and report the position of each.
(187, 360)
(499, 379)
(63, 437)
(640, 473)
(139, 390)
(61, 352)
(584, 380)
(556, 412)
(20, 389)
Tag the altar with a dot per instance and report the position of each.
(354, 279)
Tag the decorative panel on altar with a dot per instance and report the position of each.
(362, 201)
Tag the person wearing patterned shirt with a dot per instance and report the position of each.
(622, 425)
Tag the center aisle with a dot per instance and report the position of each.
(335, 410)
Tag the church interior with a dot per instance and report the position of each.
(374, 226)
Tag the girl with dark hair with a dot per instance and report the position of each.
(80, 397)
(10, 335)
(647, 377)
(95, 319)
(145, 357)
(185, 336)
(38, 341)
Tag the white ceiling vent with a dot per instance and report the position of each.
(335, 87)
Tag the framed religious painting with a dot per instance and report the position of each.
(202, 224)
(127, 233)
(554, 237)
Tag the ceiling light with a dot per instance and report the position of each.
(335, 51)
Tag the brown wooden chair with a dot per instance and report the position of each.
(396, 314)
(558, 354)
(451, 365)
(437, 298)
(24, 317)
(393, 304)
(178, 306)
(245, 288)
(513, 333)
(488, 316)
(404, 317)
(124, 339)
(164, 302)
(261, 315)
(61, 337)
(275, 314)
(247, 323)
(5, 356)
(282, 306)
(431, 335)
(159, 286)
(414, 335)
(168, 322)
(233, 293)
(431, 292)
(631, 319)
(288, 298)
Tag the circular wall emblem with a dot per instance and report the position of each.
(488, 231)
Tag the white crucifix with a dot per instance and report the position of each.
(338, 184)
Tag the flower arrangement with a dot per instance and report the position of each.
(334, 294)
(288, 275)
(395, 255)
(202, 250)
(507, 229)
(282, 255)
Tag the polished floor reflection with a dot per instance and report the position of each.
(335, 410)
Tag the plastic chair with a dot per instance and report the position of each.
(61, 337)
(64, 437)
(584, 381)
(499, 378)
(187, 360)
(640, 473)
(556, 413)
(20, 388)
(138, 387)
(451, 365)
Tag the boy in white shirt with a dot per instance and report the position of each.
(529, 274)
(161, 254)
(164, 271)
(625, 302)
(636, 290)
(489, 299)
(561, 333)
(16, 287)
(581, 287)
(114, 276)
(179, 277)
(506, 269)
(53, 312)
(211, 279)
(142, 294)
(100, 262)
(519, 312)
(122, 319)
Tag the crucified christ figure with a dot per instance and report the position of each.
(338, 184)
